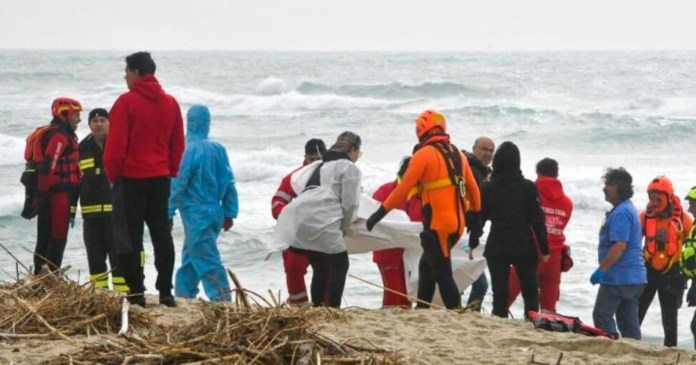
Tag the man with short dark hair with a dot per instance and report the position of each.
(143, 152)
(296, 262)
(557, 209)
(480, 160)
(95, 204)
(621, 272)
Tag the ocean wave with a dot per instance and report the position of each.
(12, 150)
(394, 90)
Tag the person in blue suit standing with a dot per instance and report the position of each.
(206, 196)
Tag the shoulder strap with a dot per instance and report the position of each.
(315, 179)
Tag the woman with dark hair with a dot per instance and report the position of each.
(320, 216)
(518, 230)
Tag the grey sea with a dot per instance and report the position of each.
(588, 110)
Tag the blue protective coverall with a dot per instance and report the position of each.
(205, 193)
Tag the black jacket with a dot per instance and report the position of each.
(481, 171)
(511, 203)
(95, 193)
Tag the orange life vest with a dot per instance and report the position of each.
(663, 237)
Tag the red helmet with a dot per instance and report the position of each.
(428, 120)
(661, 184)
(62, 108)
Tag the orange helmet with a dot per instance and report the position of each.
(62, 108)
(661, 184)
(428, 120)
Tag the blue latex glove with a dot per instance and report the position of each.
(72, 222)
(597, 276)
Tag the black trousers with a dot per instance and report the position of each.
(328, 278)
(670, 291)
(435, 268)
(99, 239)
(51, 230)
(139, 202)
(526, 267)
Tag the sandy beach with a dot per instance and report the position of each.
(416, 337)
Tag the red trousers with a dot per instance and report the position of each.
(52, 230)
(549, 282)
(391, 266)
(295, 264)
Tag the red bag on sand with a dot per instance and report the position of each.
(566, 260)
(559, 323)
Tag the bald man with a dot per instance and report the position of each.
(480, 159)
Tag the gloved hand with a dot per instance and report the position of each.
(72, 222)
(376, 217)
(597, 276)
(473, 224)
(691, 295)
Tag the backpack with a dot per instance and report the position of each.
(34, 157)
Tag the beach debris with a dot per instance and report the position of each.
(52, 304)
(124, 317)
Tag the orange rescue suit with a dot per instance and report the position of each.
(427, 166)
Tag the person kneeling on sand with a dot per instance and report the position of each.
(206, 196)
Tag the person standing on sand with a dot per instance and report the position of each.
(205, 194)
(295, 262)
(480, 159)
(96, 207)
(688, 259)
(665, 226)
(56, 171)
(142, 154)
(621, 273)
(322, 215)
(391, 261)
(442, 178)
(518, 232)
(557, 209)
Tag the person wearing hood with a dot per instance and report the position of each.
(480, 159)
(518, 230)
(142, 154)
(557, 208)
(322, 214)
(56, 155)
(440, 175)
(206, 196)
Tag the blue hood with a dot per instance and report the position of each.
(197, 122)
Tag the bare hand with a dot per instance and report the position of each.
(471, 254)
(546, 258)
(227, 223)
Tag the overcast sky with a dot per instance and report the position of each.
(348, 24)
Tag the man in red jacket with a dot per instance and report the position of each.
(391, 261)
(295, 262)
(558, 208)
(143, 151)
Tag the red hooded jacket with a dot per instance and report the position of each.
(557, 208)
(146, 133)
